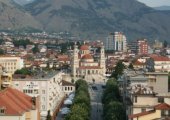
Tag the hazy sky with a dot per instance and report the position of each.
(155, 3)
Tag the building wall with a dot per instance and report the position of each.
(48, 90)
(159, 83)
(13, 117)
(11, 64)
(141, 103)
(152, 116)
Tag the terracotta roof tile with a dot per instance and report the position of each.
(15, 102)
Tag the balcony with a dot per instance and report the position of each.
(6, 83)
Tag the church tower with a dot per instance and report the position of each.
(75, 60)
(102, 60)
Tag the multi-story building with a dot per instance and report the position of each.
(109, 43)
(120, 42)
(45, 85)
(11, 64)
(5, 79)
(116, 41)
(15, 105)
(142, 46)
(139, 46)
(158, 63)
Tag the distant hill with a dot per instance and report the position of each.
(162, 8)
(13, 17)
(88, 19)
(95, 19)
(23, 2)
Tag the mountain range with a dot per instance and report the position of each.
(90, 19)
(162, 8)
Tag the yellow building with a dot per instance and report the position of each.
(159, 112)
(5, 79)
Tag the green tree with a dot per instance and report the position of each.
(118, 70)
(2, 52)
(131, 66)
(23, 71)
(21, 42)
(165, 44)
(35, 49)
(114, 111)
(48, 116)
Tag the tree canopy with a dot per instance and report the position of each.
(118, 70)
(80, 110)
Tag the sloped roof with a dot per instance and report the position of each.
(162, 106)
(84, 47)
(15, 102)
(87, 56)
(66, 83)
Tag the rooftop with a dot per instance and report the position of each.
(40, 76)
(15, 102)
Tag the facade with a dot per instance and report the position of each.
(139, 46)
(120, 42)
(11, 64)
(109, 43)
(116, 41)
(83, 62)
(67, 87)
(142, 46)
(159, 112)
(158, 64)
(15, 105)
(47, 86)
(5, 79)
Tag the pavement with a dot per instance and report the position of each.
(96, 104)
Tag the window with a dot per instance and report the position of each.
(68, 88)
(53, 79)
(160, 100)
(43, 91)
(65, 88)
(136, 99)
(2, 111)
(43, 107)
(143, 109)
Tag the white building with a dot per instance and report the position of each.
(116, 41)
(120, 42)
(47, 86)
(11, 64)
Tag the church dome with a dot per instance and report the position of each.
(87, 56)
(84, 47)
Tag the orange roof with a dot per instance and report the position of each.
(15, 102)
(162, 106)
(160, 58)
(141, 114)
(84, 47)
(138, 63)
(87, 56)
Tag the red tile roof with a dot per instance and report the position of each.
(141, 114)
(15, 102)
(84, 47)
(87, 56)
(160, 58)
(162, 106)
(138, 63)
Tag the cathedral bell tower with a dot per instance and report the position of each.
(75, 60)
(102, 60)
